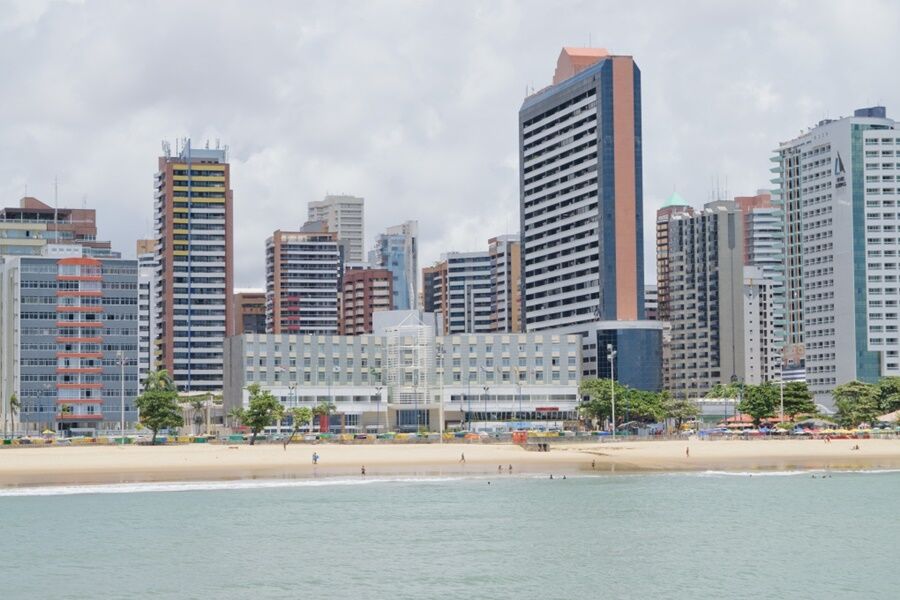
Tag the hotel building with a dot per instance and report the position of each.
(193, 222)
(506, 284)
(581, 193)
(249, 311)
(839, 183)
(397, 378)
(146, 263)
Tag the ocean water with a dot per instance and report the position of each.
(700, 535)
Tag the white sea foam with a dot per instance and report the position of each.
(786, 473)
(196, 486)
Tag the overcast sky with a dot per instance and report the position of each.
(412, 105)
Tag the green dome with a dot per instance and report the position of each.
(675, 200)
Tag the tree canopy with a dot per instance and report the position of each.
(263, 410)
(798, 399)
(159, 410)
(759, 401)
(300, 415)
(856, 403)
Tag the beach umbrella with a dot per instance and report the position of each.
(48, 432)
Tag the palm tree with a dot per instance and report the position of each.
(324, 409)
(197, 406)
(236, 414)
(9, 415)
(159, 381)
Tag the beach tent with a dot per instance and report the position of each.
(891, 417)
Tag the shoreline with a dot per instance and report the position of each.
(20, 467)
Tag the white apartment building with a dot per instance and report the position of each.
(146, 314)
(344, 216)
(839, 185)
(762, 344)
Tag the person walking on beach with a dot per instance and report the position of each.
(462, 458)
(362, 470)
(594, 464)
(510, 468)
(687, 451)
(315, 458)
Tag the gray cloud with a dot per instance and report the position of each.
(410, 104)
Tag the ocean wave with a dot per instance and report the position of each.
(200, 486)
(787, 473)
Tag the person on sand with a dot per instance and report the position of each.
(499, 468)
(594, 464)
(687, 452)
(362, 470)
(510, 468)
(462, 458)
(315, 458)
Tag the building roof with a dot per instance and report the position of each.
(675, 200)
(572, 60)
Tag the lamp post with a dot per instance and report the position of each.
(519, 390)
(611, 356)
(440, 357)
(486, 388)
(121, 357)
(378, 387)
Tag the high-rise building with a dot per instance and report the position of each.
(397, 250)
(193, 222)
(706, 305)
(838, 185)
(344, 216)
(762, 343)
(146, 302)
(581, 193)
(303, 280)
(468, 308)
(249, 311)
(68, 331)
(764, 249)
(365, 292)
(675, 205)
(506, 283)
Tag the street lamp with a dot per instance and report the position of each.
(121, 358)
(486, 388)
(378, 387)
(611, 356)
(519, 390)
(781, 385)
(440, 357)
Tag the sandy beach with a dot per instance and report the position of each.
(110, 464)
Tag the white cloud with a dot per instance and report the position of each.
(412, 105)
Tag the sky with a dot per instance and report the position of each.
(412, 105)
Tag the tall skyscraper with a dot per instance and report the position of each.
(706, 304)
(193, 222)
(506, 283)
(460, 289)
(838, 185)
(345, 217)
(365, 292)
(303, 280)
(675, 205)
(581, 193)
(397, 250)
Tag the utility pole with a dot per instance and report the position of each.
(611, 355)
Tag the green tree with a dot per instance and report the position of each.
(324, 409)
(300, 416)
(759, 401)
(643, 406)
(264, 410)
(725, 390)
(856, 403)
(197, 407)
(680, 409)
(9, 415)
(889, 394)
(798, 400)
(597, 399)
(159, 410)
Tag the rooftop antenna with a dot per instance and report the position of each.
(55, 208)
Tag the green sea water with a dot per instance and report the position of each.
(710, 535)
